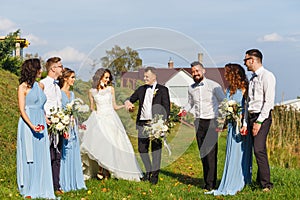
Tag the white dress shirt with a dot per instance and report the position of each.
(146, 112)
(261, 93)
(53, 94)
(205, 97)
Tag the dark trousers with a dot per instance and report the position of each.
(260, 149)
(143, 148)
(207, 140)
(55, 154)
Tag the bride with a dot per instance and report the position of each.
(106, 148)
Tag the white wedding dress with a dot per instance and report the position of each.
(105, 142)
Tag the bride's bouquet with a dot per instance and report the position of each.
(229, 110)
(157, 129)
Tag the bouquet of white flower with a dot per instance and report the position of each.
(158, 129)
(60, 121)
(229, 110)
(76, 106)
(75, 109)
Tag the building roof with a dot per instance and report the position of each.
(215, 74)
(165, 74)
(291, 102)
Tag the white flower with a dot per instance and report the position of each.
(77, 106)
(59, 126)
(54, 119)
(165, 128)
(78, 101)
(232, 102)
(69, 106)
(157, 129)
(229, 110)
(60, 114)
(84, 108)
(66, 119)
(60, 120)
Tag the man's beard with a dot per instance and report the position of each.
(197, 80)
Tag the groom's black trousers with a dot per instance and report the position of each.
(143, 148)
(207, 140)
(260, 149)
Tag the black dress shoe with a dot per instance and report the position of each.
(154, 180)
(146, 177)
(208, 188)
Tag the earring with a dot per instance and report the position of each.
(102, 84)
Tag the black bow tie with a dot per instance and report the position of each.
(198, 84)
(55, 81)
(253, 76)
(149, 86)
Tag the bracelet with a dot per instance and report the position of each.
(258, 122)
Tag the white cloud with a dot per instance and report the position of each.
(34, 40)
(295, 37)
(7, 26)
(68, 54)
(273, 37)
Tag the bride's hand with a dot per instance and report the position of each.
(129, 106)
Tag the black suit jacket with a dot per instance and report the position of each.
(160, 103)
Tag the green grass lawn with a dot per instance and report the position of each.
(181, 175)
(180, 178)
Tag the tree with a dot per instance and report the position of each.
(7, 60)
(36, 55)
(120, 60)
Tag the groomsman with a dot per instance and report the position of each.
(153, 99)
(53, 94)
(261, 95)
(205, 96)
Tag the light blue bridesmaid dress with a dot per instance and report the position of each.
(71, 174)
(238, 162)
(34, 175)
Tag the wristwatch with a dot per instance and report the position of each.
(258, 122)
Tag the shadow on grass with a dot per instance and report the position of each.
(185, 179)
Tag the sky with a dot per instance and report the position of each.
(81, 32)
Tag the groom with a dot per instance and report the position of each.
(153, 99)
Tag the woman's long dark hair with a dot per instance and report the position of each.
(29, 71)
(98, 76)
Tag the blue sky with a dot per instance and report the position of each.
(80, 32)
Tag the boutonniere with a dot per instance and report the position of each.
(154, 93)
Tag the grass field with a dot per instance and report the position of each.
(180, 177)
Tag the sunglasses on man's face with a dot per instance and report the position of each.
(245, 60)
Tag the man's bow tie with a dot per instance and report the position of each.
(198, 84)
(253, 76)
(55, 81)
(149, 86)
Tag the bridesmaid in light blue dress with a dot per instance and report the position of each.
(34, 176)
(238, 162)
(71, 174)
